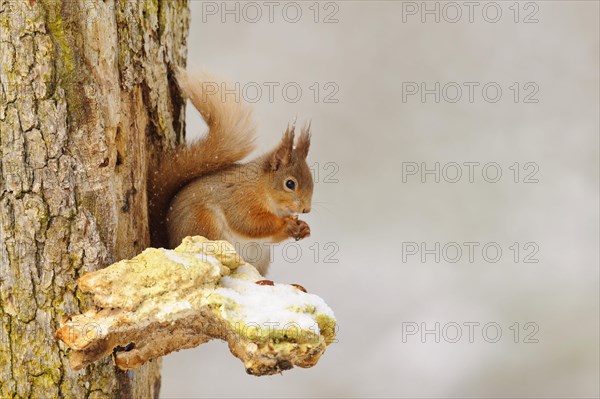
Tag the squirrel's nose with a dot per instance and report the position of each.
(306, 210)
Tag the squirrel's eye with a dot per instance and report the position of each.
(289, 183)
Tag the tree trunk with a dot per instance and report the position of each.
(87, 97)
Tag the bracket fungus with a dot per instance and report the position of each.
(166, 300)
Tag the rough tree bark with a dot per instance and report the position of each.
(86, 98)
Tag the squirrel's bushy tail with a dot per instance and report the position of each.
(230, 138)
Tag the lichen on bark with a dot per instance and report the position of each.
(85, 100)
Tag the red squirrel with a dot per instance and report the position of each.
(202, 189)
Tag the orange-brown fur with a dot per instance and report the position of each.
(200, 189)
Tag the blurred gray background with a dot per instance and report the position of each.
(371, 214)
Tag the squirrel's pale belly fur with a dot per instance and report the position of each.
(202, 189)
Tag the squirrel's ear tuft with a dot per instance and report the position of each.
(282, 155)
(303, 143)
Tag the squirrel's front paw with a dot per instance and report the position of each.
(297, 229)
